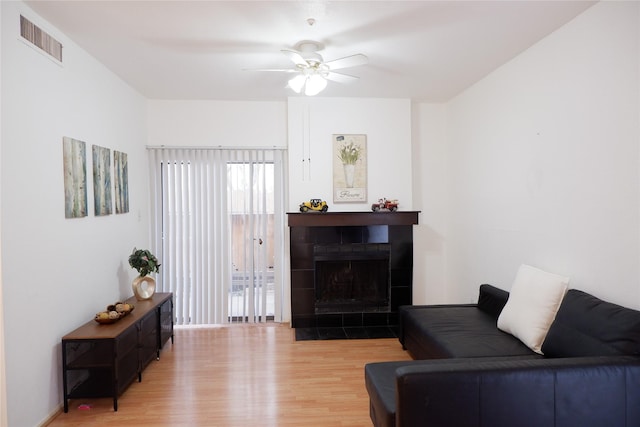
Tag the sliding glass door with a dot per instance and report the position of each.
(251, 201)
(218, 229)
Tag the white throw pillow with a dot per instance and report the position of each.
(533, 302)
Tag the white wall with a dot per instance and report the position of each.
(3, 383)
(387, 124)
(56, 272)
(217, 123)
(544, 162)
(429, 136)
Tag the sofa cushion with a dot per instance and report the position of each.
(587, 326)
(440, 332)
(532, 305)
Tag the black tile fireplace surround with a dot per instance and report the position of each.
(346, 240)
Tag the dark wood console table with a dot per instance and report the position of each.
(102, 360)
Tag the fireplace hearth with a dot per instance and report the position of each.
(350, 269)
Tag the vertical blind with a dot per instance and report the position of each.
(210, 215)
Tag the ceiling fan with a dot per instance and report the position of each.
(312, 72)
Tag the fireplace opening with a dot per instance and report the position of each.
(352, 278)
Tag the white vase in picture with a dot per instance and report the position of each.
(349, 171)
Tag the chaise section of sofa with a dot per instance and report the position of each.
(473, 375)
(451, 331)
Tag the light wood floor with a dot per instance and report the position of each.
(245, 375)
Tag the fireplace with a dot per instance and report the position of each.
(350, 268)
(351, 278)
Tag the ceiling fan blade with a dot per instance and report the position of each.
(295, 57)
(347, 61)
(341, 78)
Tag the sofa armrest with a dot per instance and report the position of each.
(586, 392)
(492, 300)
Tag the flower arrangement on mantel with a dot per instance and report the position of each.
(144, 261)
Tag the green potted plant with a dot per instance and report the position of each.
(145, 263)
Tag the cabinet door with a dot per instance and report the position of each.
(166, 322)
(127, 366)
(87, 369)
(148, 338)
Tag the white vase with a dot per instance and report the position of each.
(349, 172)
(143, 287)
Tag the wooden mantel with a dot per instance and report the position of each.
(330, 219)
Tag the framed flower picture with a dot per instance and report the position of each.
(349, 168)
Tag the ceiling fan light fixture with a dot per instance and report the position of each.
(311, 71)
(315, 84)
(297, 83)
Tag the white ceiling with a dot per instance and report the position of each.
(423, 50)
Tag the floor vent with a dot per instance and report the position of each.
(34, 35)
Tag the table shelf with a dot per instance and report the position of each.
(102, 360)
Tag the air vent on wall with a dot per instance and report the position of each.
(34, 35)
